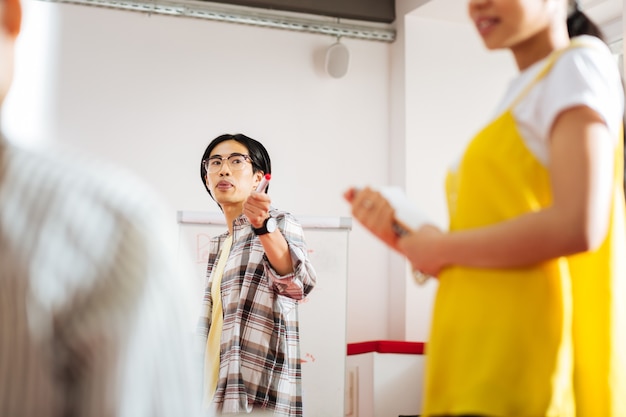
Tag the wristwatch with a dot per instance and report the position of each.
(269, 225)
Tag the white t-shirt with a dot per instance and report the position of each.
(586, 75)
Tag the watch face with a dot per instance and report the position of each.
(271, 224)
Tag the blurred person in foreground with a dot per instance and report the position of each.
(94, 320)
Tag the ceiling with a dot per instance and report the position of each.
(362, 19)
(382, 11)
(607, 13)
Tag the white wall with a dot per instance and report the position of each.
(150, 92)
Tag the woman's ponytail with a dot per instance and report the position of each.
(578, 23)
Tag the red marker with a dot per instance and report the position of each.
(264, 183)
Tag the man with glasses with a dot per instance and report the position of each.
(257, 272)
(94, 320)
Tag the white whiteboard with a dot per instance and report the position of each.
(322, 314)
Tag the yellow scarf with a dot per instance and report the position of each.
(212, 353)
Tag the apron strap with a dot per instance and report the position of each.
(552, 58)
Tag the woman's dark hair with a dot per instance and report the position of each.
(256, 151)
(578, 23)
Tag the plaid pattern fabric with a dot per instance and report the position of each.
(260, 359)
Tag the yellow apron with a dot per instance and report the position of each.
(546, 340)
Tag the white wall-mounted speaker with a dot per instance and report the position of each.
(337, 60)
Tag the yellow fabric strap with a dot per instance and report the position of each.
(212, 353)
(552, 58)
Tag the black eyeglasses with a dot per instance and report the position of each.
(236, 162)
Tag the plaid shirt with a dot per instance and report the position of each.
(260, 347)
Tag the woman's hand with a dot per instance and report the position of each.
(374, 212)
(423, 249)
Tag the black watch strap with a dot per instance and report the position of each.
(269, 225)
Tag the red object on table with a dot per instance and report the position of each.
(386, 346)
